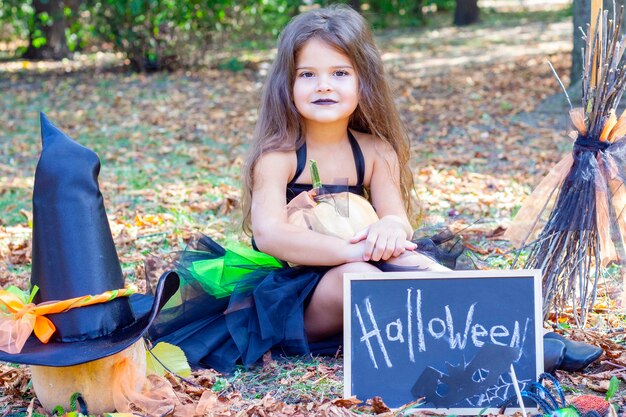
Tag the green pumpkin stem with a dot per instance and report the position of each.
(315, 175)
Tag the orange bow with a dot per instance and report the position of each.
(19, 319)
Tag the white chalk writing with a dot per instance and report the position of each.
(375, 332)
(399, 331)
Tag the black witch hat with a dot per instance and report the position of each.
(74, 255)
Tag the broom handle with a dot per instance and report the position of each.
(596, 8)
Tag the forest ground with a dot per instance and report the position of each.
(172, 145)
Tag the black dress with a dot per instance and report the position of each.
(260, 309)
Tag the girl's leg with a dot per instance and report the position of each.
(323, 316)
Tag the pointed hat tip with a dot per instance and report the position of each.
(47, 128)
(43, 119)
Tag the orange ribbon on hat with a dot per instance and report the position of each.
(18, 319)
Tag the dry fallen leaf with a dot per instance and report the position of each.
(347, 402)
(379, 406)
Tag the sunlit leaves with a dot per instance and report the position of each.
(167, 357)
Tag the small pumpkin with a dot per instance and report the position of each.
(54, 386)
(339, 214)
(360, 215)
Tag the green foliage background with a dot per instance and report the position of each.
(164, 34)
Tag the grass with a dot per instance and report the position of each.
(12, 203)
(292, 380)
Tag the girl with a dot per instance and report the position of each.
(326, 98)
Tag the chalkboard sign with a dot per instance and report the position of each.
(450, 338)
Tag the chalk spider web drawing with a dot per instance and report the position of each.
(497, 393)
(480, 381)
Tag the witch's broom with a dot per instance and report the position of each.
(585, 228)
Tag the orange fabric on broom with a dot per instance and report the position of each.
(527, 223)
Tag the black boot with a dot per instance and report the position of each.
(578, 355)
(553, 354)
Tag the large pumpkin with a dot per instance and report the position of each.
(55, 385)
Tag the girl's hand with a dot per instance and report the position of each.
(384, 239)
(355, 251)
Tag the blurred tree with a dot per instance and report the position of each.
(394, 13)
(47, 29)
(51, 27)
(580, 11)
(466, 12)
(13, 19)
(415, 9)
(355, 4)
(166, 34)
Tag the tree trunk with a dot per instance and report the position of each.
(416, 10)
(466, 12)
(52, 30)
(581, 11)
(355, 4)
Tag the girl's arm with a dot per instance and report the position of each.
(274, 236)
(388, 237)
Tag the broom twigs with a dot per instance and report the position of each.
(620, 42)
(594, 288)
(583, 276)
(581, 270)
(597, 111)
(547, 265)
(604, 38)
(564, 254)
(615, 39)
(591, 286)
(605, 49)
(594, 50)
(590, 69)
(601, 63)
(561, 84)
(578, 270)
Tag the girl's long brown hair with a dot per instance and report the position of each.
(279, 126)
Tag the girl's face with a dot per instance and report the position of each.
(326, 84)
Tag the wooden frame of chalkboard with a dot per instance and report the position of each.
(450, 337)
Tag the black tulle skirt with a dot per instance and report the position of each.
(235, 304)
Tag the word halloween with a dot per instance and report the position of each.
(418, 328)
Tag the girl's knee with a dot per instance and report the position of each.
(336, 273)
(355, 267)
(331, 285)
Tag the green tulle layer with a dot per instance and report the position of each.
(219, 276)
